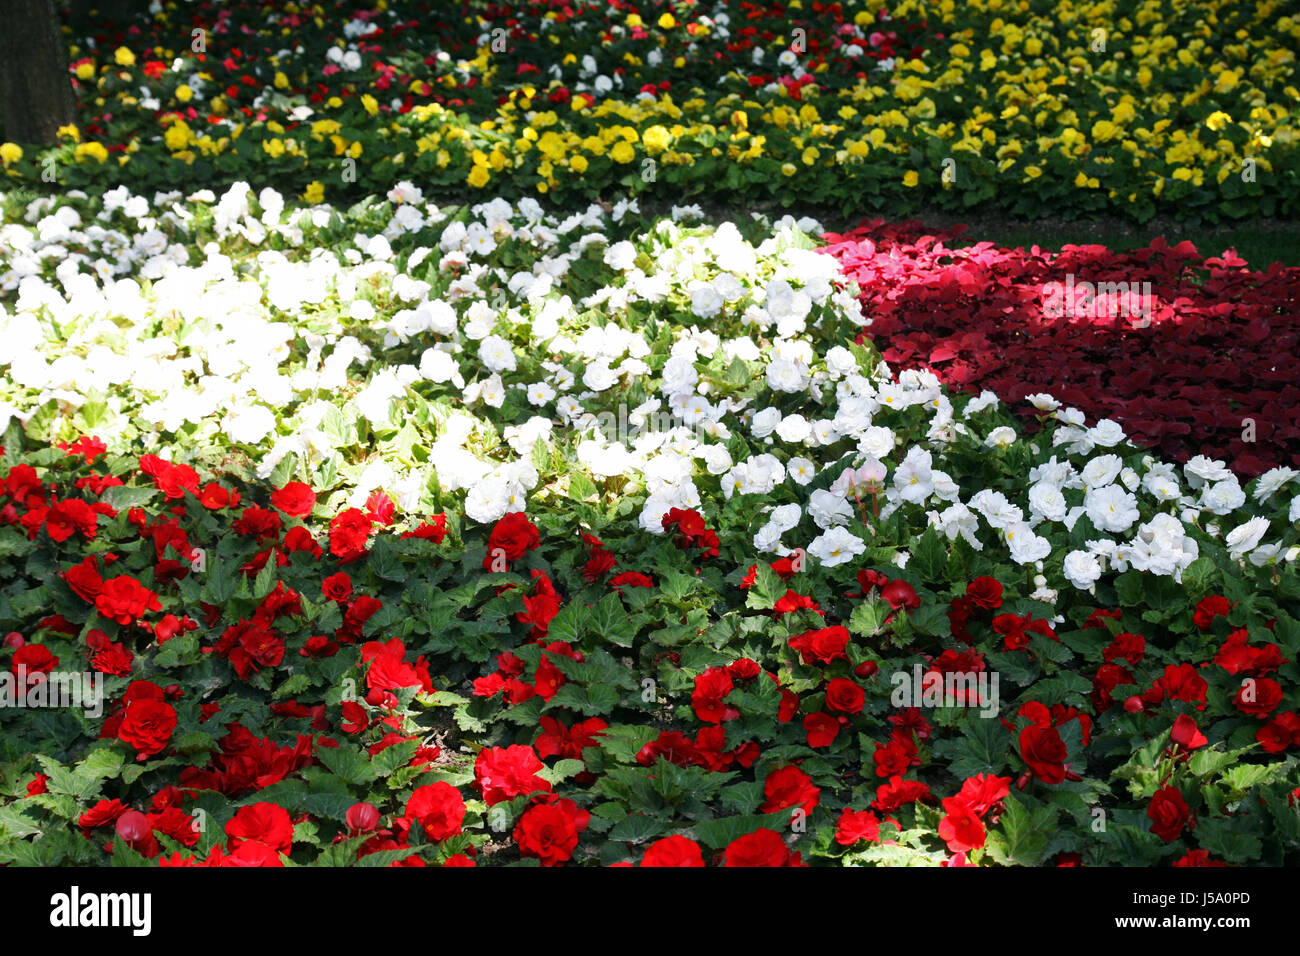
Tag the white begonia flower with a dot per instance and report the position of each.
(767, 539)
(1024, 545)
(828, 510)
(248, 424)
(539, 393)
(1202, 471)
(1047, 501)
(1106, 433)
(1266, 554)
(996, 509)
(1003, 436)
(984, 400)
(599, 377)
(717, 459)
(1161, 546)
(497, 354)
(956, 520)
(706, 302)
(786, 517)
(1111, 508)
(794, 428)
(729, 287)
(836, 546)
(1101, 471)
(1082, 569)
(840, 361)
(679, 375)
(437, 365)
(1222, 497)
(491, 391)
(605, 460)
(786, 376)
(488, 500)
(375, 400)
(1272, 481)
(877, 442)
(802, 471)
(620, 256)
(1162, 486)
(1245, 537)
(765, 422)
(912, 477)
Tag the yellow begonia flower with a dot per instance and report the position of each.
(314, 193)
(910, 178)
(656, 139)
(178, 136)
(93, 150)
(123, 57)
(10, 153)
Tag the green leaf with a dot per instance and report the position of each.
(1228, 840)
(929, 556)
(266, 580)
(868, 617)
(636, 828)
(351, 766)
(1021, 835)
(610, 622)
(581, 488)
(982, 748)
(719, 832)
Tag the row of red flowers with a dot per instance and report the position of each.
(302, 645)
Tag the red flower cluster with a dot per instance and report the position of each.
(690, 531)
(510, 539)
(1218, 344)
(962, 826)
(1041, 746)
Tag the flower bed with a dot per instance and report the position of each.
(416, 535)
(1188, 110)
(1192, 356)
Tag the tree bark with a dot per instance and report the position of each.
(35, 88)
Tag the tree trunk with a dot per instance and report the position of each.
(35, 89)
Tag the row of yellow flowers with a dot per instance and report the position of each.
(1128, 105)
